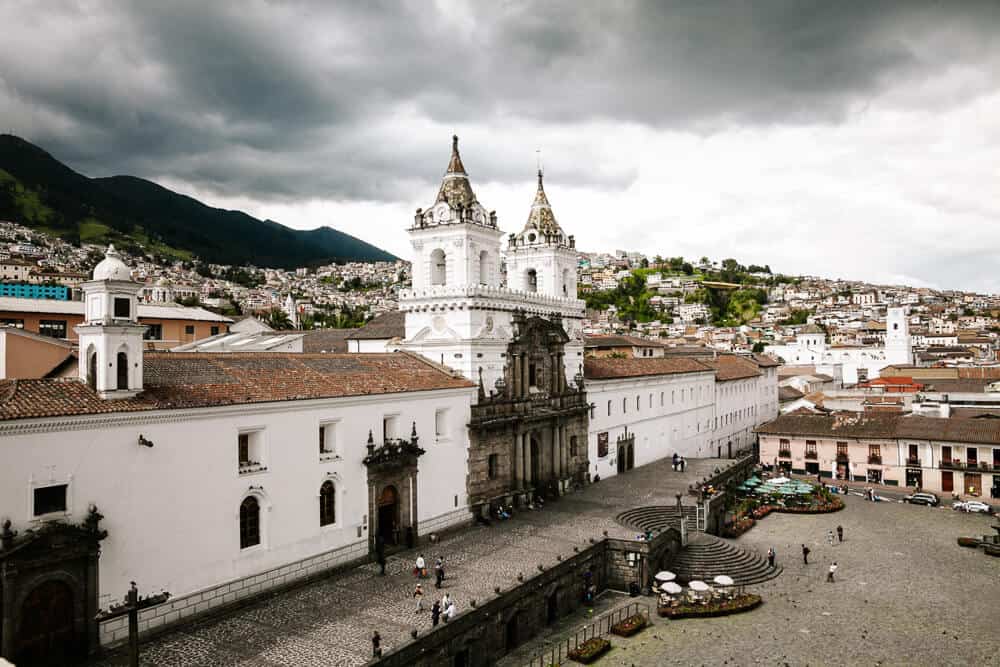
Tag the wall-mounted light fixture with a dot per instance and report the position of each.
(143, 442)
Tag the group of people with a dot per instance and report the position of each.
(443, 608)
(420, 570)
(679, 463)
(772, 554)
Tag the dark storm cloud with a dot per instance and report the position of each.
(298, 99)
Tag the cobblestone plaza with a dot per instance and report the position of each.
(905, 594)
(330, 622)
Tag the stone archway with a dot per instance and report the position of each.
(46, 632)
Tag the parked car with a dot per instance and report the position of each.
(973, 506)
(923, 498)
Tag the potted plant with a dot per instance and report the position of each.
(968, 542)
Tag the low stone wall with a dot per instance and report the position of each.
(715, 505)
(154, 620)
(495, 626)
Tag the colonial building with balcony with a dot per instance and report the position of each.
(943, 455)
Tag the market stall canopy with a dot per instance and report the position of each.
(698, 585)
(671, 588)
(723, 580)
(665, 576)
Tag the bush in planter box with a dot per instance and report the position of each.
(590, 650)
(968, 542)
(629, 626)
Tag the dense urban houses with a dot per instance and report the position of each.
(940, 454)
(250, 460)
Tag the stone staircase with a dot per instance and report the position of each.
(658, 517)
(706, 556)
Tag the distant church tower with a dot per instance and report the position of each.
(111, 337)
(457, 313)
(898, 346)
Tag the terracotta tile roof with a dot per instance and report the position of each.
(608, 340)
(886, 425)
(326, 340)
(765, 361)
(731, 367)
(607, 369)
(789, 394)
(387, 325)
(194, 380)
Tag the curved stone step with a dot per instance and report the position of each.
(706, 557)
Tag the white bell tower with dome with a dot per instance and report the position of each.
(110, 337)
(457, 312)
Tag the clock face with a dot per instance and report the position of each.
(442, 213)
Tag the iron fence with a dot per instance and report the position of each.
(557, 653)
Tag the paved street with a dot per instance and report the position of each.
(906, 594)
(330, 622)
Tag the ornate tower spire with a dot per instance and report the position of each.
(455, 165)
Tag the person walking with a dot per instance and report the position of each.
(829, 537)
(770, 557)
(376, 645)
(418, 595)
(445, 603)
(830, 572)
(840, 533)
(805, 555)
(438, 572)
(435, 613)
(676, 459)
(420, 570)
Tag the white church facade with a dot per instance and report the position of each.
(219, 476)
(854, 363)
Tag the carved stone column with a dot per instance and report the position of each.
(526, 441)
(516, 462)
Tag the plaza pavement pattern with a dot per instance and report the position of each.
(330, 622)
(905, 594)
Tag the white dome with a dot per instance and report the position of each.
(112, 267)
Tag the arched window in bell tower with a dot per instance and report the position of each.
(438, 267)
(484, 268)
(121, 370)
(92, 368)
(532, 282)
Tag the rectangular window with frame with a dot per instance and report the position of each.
(123, 308)
(11, 322)
(328, 439)
(493, 465)
(250, 451)
(189, 329)
(52, 328)
(50, 499)
(441, 424)
(388, 428)
(215, 331)
(153, 332)
(602, 444)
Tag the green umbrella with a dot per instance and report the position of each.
(754, 481)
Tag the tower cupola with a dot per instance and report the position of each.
(110, 337)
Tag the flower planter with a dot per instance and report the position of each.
(629, 626)
(590, 650)
(741, 604)
(992, 550)
(968, 542)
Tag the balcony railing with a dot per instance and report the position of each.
(247, 467)
(912, 461)
(951, 463)
(875, 459)
(785, 453)
(811, 454)
(842, 458)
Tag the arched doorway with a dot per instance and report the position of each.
(511, 634)
(630, 458)
(536, 460)
(388, 515)
(621, 459)
(552, 607)
(46, 634)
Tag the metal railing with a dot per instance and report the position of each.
(557, 654)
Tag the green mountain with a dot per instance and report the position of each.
(39, 191)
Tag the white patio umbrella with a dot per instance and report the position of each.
(665, 576)
(671, 588)
(724, 580)
(699, 586)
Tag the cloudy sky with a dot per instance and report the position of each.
(845, 139)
